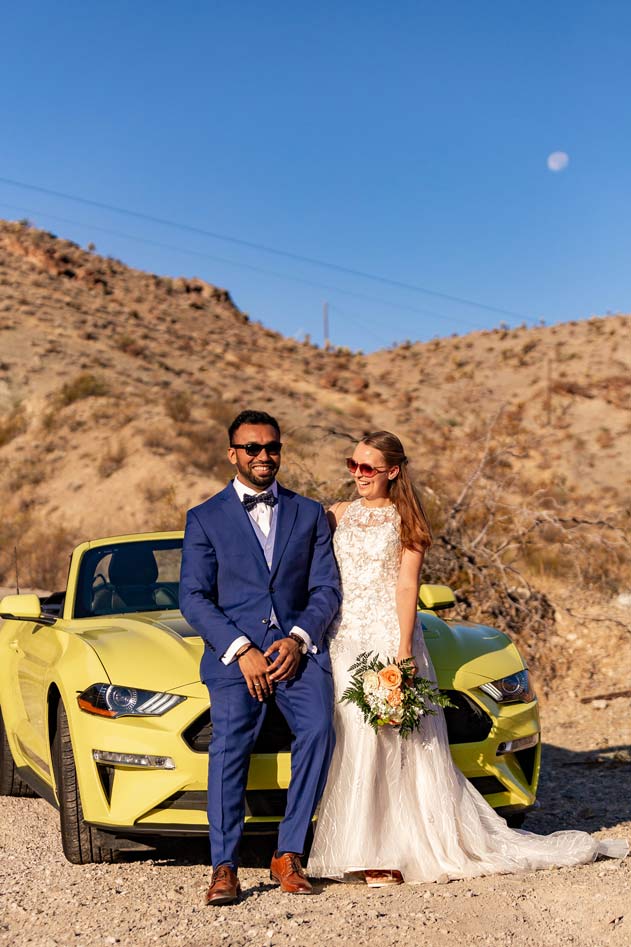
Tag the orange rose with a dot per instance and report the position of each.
(395, 697)
(390, 676)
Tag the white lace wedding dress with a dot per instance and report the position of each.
(403, 804)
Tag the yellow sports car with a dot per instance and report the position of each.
(104, 715)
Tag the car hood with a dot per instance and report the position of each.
(465, 653)
(153, 651)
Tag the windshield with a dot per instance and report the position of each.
(139, 576)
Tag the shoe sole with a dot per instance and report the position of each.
(284, 890)
(223, 899)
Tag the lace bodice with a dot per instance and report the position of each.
(367, 546)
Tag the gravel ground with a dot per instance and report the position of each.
(47, 902)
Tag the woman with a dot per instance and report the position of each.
(398, 809)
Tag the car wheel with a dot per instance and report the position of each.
(10, 782)
(79, 840)
(516, 820)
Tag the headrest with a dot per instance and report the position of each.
(133, 565)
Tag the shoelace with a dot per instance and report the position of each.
(294, 861)
(222, 872)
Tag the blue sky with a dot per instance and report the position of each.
(406, 141)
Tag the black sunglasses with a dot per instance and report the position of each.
(253, 449)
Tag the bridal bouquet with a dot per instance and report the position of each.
(391, 694)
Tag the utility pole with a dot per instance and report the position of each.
(325, 321)
(548, 392)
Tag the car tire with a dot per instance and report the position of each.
(10, 782)
(516, 820)
(79, 840)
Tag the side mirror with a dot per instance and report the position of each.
(435, 597)
(24, 608)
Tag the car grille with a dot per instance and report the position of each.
(275, 735)
(258, 802)
(486, 785)
(466, 722)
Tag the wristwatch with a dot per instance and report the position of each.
(302, 644)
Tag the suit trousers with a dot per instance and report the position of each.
(306, 702)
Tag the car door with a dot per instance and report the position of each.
(37, 648)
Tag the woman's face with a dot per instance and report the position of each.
(374, 487)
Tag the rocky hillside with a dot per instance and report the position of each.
(116, 386)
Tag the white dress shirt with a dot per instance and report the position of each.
(262, 515)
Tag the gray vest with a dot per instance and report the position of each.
(267, 545)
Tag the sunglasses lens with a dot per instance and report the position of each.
(365, 470)
(253, 449)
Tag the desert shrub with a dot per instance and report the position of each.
(84, 385)
(42, 553)
(12, 425)
(129, 345)
(178, 405)
(112, 460)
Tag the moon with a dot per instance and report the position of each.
(558, 161)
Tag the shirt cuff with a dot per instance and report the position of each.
(311, 648)
(228, 656)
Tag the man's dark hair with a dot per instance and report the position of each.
(253, 417)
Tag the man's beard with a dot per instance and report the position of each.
(257, 479)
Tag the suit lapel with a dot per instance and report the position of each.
(240, 521)
(287, 511)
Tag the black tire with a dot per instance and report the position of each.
(10, 782)
(516, 820)
(79, 840)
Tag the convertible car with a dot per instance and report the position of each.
(104, 715)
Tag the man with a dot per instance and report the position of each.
(260, 584)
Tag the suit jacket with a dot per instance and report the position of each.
(227, 589)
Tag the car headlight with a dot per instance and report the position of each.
(113, 700)
(509, 690)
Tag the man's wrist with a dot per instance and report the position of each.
(244, 650)
(302, 644)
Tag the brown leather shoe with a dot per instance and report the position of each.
(224, 888)
(287, 871)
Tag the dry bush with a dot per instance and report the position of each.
(84, 385)
(12, 425)
(42, 553)
(177, 405)
(112, 460)
(204, 447)
(129, 345)
(165, 512)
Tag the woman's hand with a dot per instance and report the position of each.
(405, 654)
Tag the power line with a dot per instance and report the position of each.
(247, 266)
(200, 231)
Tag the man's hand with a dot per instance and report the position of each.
(285, 665)
(254, 667)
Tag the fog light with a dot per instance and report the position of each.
(133, 759)
(523, 743)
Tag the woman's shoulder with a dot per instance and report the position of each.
(336, 512)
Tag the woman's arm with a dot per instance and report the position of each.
(407, 599)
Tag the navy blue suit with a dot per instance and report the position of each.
(228, 590)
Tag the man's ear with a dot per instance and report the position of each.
(232, 456)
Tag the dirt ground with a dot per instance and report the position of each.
(586, 784)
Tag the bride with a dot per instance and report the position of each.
(399, 810)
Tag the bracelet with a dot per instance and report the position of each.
(302, 644)
(243, 650)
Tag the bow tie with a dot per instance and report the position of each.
(251, 499)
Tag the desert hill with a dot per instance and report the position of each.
(116, 387)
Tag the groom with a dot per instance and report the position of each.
(260, 585)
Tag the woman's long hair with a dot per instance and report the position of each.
(415, 529)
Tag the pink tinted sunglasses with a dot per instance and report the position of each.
(365, 470)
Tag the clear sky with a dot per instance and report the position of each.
(407, 141)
